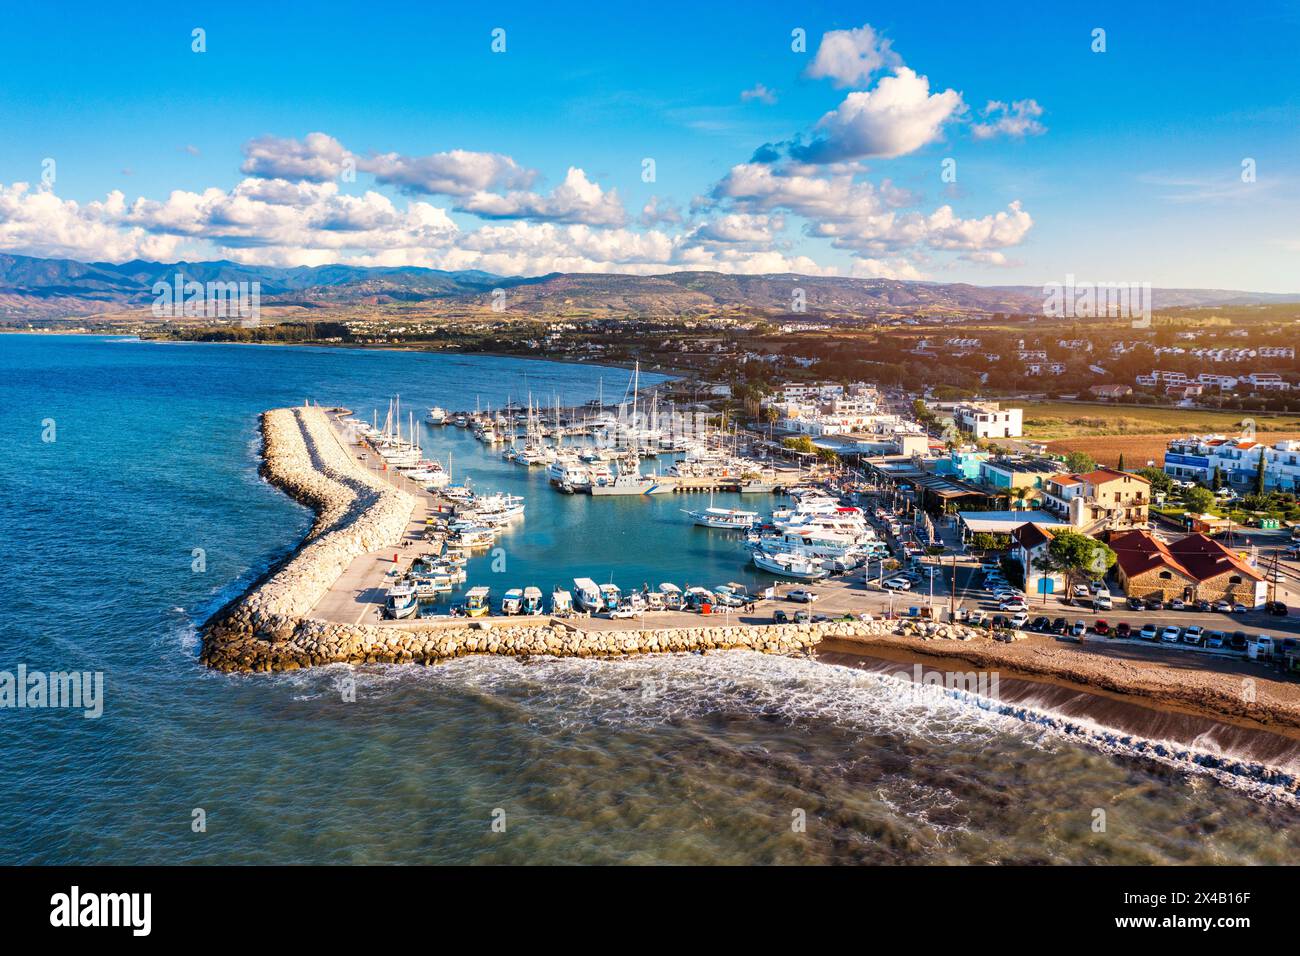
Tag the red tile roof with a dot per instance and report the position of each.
(1194, 556)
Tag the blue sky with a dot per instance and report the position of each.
(1119, 165)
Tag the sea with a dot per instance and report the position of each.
(131, 508)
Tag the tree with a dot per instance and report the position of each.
(1197, 499)
(1160, 482)
(1216, 480)
(1080, 461)
(1119, 466)
(1259, 473)
(1077, 555)
(801, 444)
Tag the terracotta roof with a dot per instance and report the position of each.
(1030, 535)
(1194, 556)
(1066, 479)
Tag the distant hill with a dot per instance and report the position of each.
(34, 288)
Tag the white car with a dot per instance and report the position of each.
(1013, 605)
(802, 595)
(1080, 590)
(1192, 635)
(899, 584)
(1019, 620)
(1170, 635)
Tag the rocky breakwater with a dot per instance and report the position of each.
(356, 513)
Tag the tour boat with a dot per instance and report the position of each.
(788, 565)
(731, 518)
(513, 602)
(476, 602)
(587, 593)
(532, 600)
(401, 601)
(437, 416)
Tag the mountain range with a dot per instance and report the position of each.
(47, 289)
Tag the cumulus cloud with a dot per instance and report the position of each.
(576, 200)
(458, 172)
(852, 57)
(744, 228)
(1018, 119)
(315, 158)
(898, 117)
(36, 222)
(659, 211)
(760, 93)
(897, 268)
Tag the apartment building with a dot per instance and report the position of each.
(1100, 499)
(989, 420)
(1197, 457)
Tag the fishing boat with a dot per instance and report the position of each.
(789, 565)
(654, 601)
(476, 601)
(561, 602)
(587, 593)
(532, 600)
(698, 599)
(672, 596)
(513, 602)
(610, 596)
(401, 601)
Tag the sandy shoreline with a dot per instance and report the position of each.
(1218, 695)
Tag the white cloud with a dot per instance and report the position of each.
(576, 200)
(760, 93)
(39, 223)
(1020, 119)
(458, 172)
(898, 117)
(896, 268)
(851, 57)
(738, 228)
(315, 158)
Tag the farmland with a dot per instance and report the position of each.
(1054, 421)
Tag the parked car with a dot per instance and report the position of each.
(1170, 635)
(1018, 620)
(1223, 607)
(802, 616)
(1102, 602)
(780, 617)
(1041, 624)
(802, 595)
(1276, 608)
(1123, 629)
(1154, 603)
(1237, 640)
(976, 618)
(1013, 604)
(1202, 605)
(1193, 634)
(1239, 609)
(1215, 639)
(1149, 632)
(1079, 628)
(1080, 591)
(999, 622)
(1135, 604)
(1060, 626)
(1177, 604)
(1101, 626)
(898, 584)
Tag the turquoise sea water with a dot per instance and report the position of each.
(667, 759)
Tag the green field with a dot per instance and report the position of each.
(1053, 421)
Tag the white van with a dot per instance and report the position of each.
(1101, 601)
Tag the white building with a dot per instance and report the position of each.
(1236, 459)
(989, 420)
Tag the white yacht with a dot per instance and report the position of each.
(437, 416)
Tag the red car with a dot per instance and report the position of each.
(1101, 627)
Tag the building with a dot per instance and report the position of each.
(1017, 472)
(1104, 499)
(989, 420)
(1197, 457)
(1111, 391)
(962, 463)
(1192, 568)
(1029, 545)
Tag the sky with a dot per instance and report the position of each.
(1001, 145)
